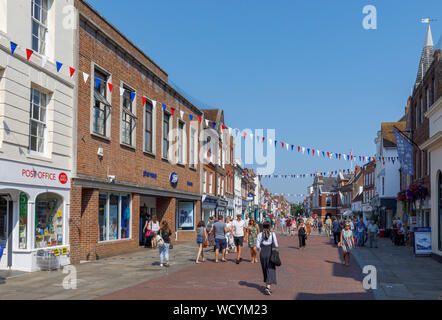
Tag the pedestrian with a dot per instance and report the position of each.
(302, 234)
(336, 228)
(265, 241)
(373, 231)
(273, 224)
(229, 239)
(400, 234)
(346, 244)
(239, 231)
(164, 238)
(252, 234)
(319, 224)
(328, 224)
(209, 227)
(147, 234)
(293, 227)
(154, 225)
(219, 230)
(201, 238)
(360, 229)
(283, 224)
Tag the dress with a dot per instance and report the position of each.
(346, 240)
(268, 268)
(253, 234)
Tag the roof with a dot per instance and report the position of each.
(388, 136)
(357, 198)
(330, 184)
(426, 58)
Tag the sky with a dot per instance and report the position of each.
(307, 69)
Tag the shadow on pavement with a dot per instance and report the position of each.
(251, 285)
(333, 296)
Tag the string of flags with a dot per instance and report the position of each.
(306, 175)
(296, 195)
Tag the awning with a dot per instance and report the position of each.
(348, 213)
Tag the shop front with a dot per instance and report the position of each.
(34, 209)
(208, 208)
(231, 207)
(245, 205)
(221, 208)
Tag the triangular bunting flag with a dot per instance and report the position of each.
(191, 116)
(29, 53)
(172, 110)
(85, 77)
(59, 65)
(121, 91)
(97, 83)
(143, 100)
(111, 87)
(132, 96)
(164, 107)
(13, 47)
(201, 119)
(71, 71)
(181, 114)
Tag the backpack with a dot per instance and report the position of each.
(159, 239)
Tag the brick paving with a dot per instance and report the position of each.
(313, 273)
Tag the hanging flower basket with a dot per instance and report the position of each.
(401, 196)
(415, 192)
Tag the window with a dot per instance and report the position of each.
(114, 216)
(166, 128)
(416, 116)
(128, 119)
(148, 127)
(101, 108)
(37, 121)
(422, 163)
(422, 110)
(428, 102)
(219, 155)
(210, 182)
(383, 185)
(329, 201)
(204, 181)
(39, 14)
(218, 186)
(193, 147)
(181, 135)
(428, 163)
(222, 187)
(223, 159)
(49, 218)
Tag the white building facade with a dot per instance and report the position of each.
(434, 146)
(36, 129)
(237, 198)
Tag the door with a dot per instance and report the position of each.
(6, 229)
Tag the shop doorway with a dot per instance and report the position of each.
(6, 211)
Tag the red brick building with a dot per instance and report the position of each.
(126, 168)
(325, 197)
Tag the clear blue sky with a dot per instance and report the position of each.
(305, 68)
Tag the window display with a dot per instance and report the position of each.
(48, 220)
(23, 221)
(185, 215)
(114, 216)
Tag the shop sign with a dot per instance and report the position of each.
(222, 203)
(15, 172)
(149, 175)
(207, 200)
(185, 215)
(190, 184)
(173, 178)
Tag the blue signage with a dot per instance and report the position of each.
(173, 178)
(405, 153)
(149, 174)
(190, 184)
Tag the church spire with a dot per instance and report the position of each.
(426, 57)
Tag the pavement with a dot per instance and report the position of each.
(401, 275)
(312, 273)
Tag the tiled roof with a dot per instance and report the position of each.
(426, 58)
(388, 136)
(330, 184)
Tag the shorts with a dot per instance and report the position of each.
(239, 241)
(220, 244)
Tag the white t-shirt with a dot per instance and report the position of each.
(229, 227)
(239, 228)
(154, 226)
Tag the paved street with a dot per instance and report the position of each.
(313, 273)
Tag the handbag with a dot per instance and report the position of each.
(274, 258)
(148, 233)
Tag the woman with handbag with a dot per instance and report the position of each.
(202, 240)
(302, 234)
(346, 244)
(252, 235)
(266, 243)
(154, 225)
(163, 241)
(147, 234)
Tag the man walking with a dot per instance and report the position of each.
(239, 230)
(336, 231)
(373, 230)
(328, 225)
(360, 228)
(219, 230)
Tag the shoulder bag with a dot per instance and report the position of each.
(159, 239)
(274, 258)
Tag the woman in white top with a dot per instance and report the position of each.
(154, 225)
(264, 243)
(229, 240)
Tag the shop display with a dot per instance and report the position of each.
(23, 221)
(49, 221)
(185, 215)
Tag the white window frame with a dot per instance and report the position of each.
(181, 142)
(204, 181)
(218, 186)
(210, 182)
(42, 25)
(39, 122)
(130, 114)
(193, 147)
(106, 109)
(165, 153)
(108, 222)
(153, 126)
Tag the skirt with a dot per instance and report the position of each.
(268, 268)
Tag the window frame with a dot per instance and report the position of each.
(193, 147)
(43, 12)
(165, 137)
(109, 194)
(38, 122)
(128, 116)
(181, 142)
(149, 104)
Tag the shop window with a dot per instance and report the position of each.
(49, 209)
(186, 215)
(114, 216)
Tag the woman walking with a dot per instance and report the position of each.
(346, 244)
(201, 238)
(293, 227)
(165, 234)
(252, 234)
(302, 234)
(154, 225)
(264, 243)
(229, 238)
